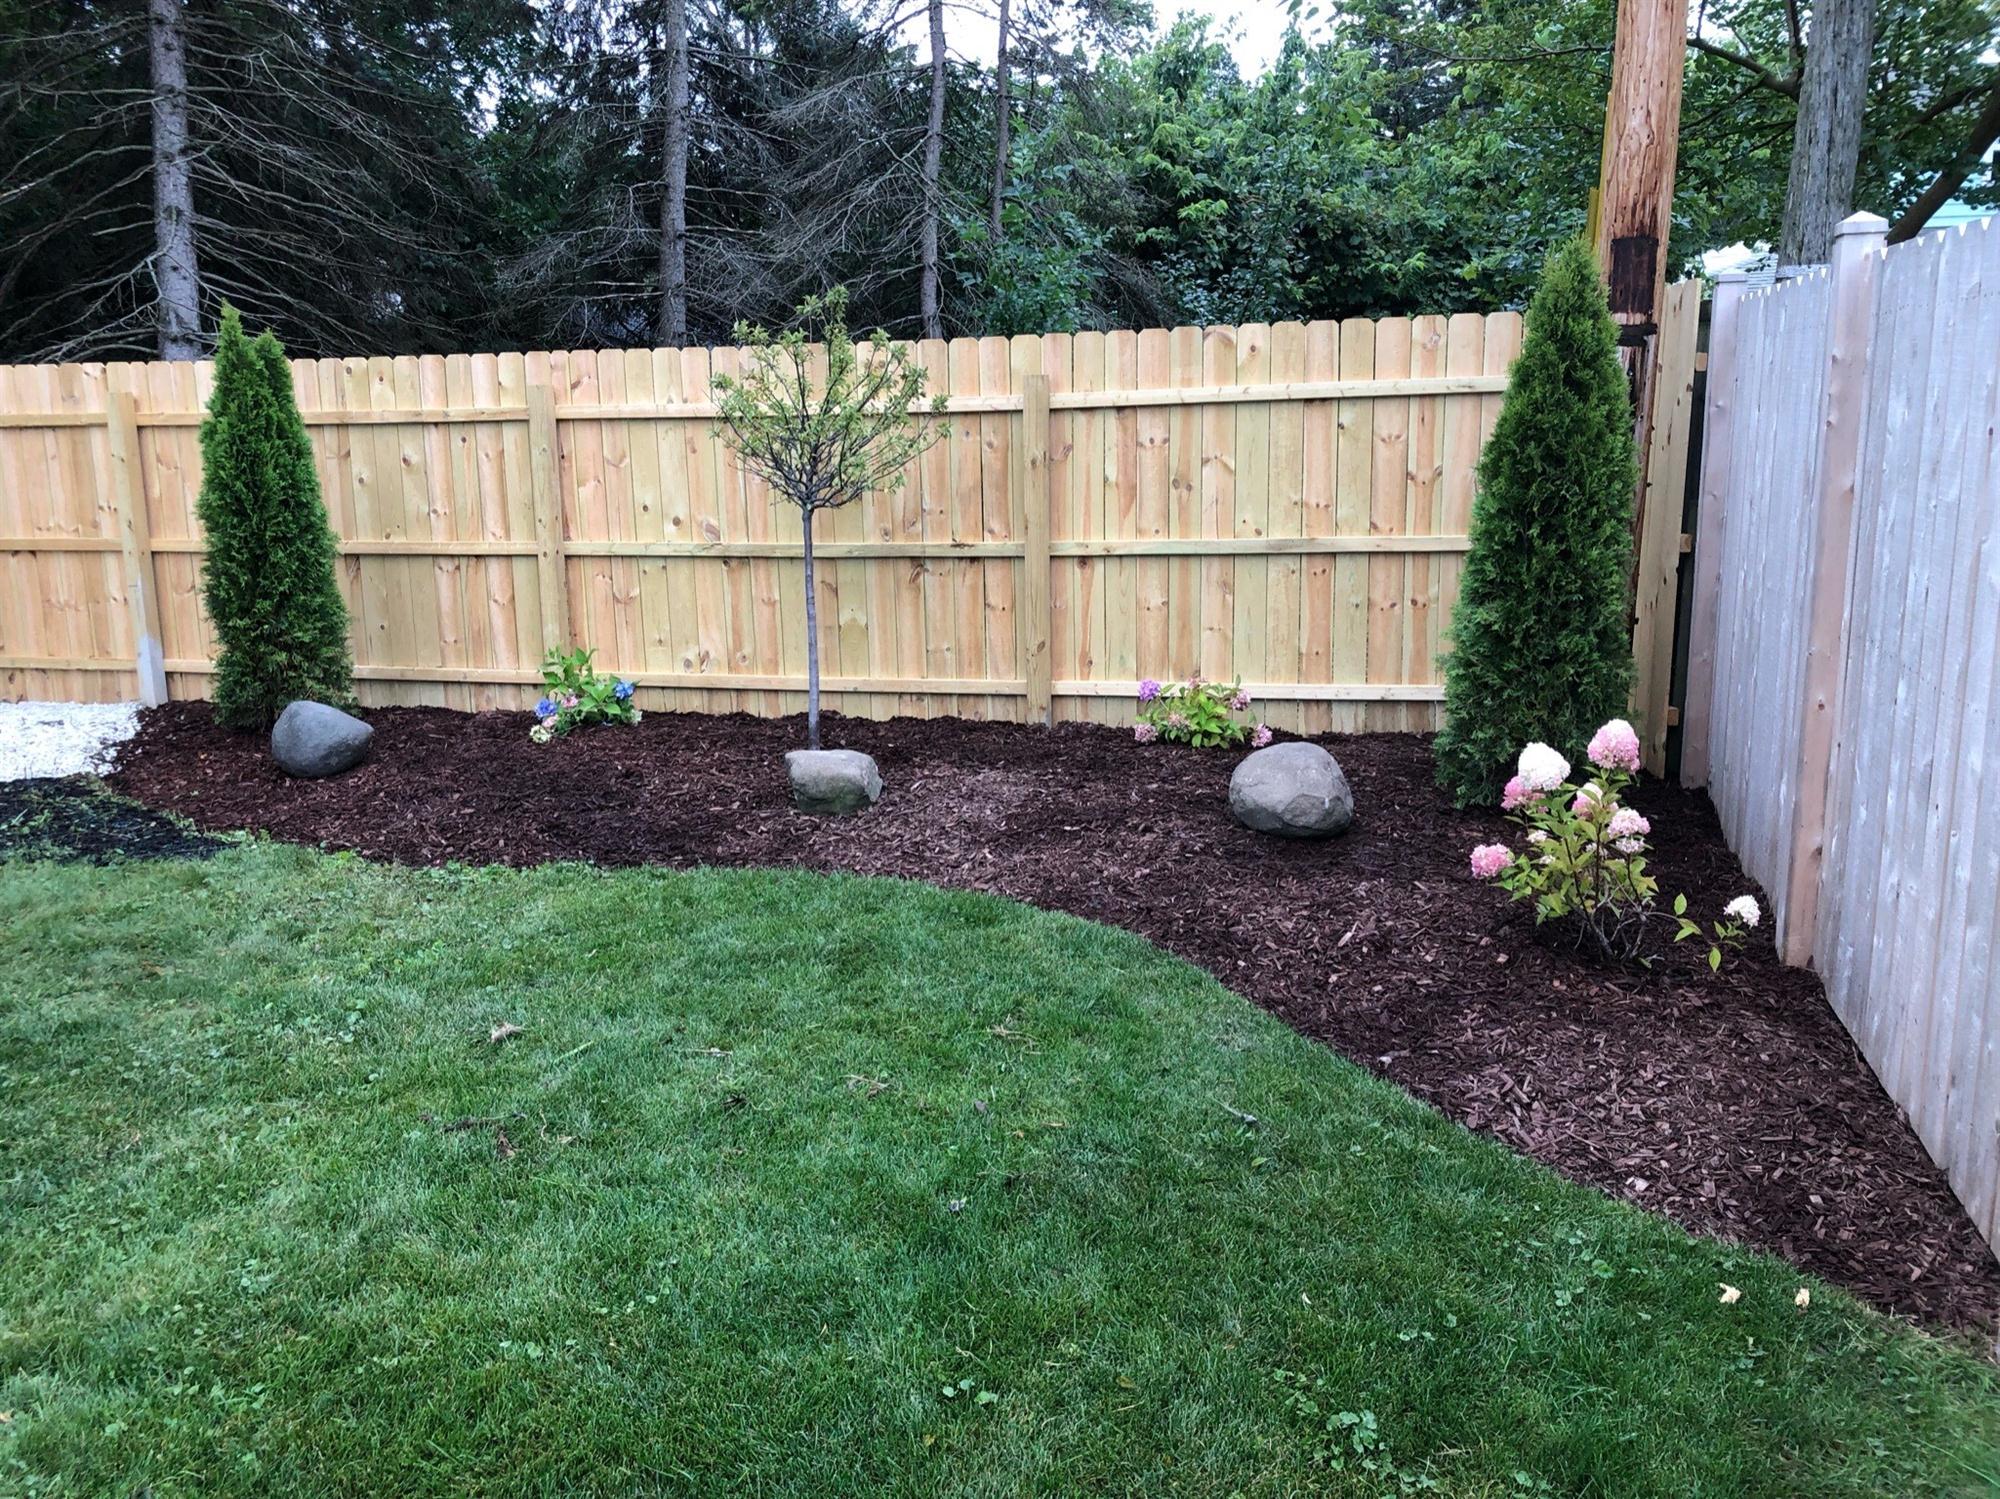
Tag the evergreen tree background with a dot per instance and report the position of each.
(417, 176)
(268, 580)
(1541, 636)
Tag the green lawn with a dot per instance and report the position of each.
(819, 1186)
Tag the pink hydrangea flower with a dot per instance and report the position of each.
(1615, 747)
(1625, 823)
(1586, 799)
(1239, 700)
(1260, 736)
(1490, 858)
(1177, 720)
(1145, 733)
(1517, 794)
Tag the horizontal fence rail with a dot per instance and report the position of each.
(1200, 395)
(1287, 505)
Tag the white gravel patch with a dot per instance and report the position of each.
(63, 739)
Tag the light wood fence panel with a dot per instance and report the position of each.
(1859, 415)
(1909, 917)
(1778, 389)
(1287, 505)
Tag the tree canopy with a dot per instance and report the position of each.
(390, 176)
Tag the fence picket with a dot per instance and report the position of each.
(1860, 799)
(1230, 500)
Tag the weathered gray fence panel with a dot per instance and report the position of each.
(1902, 839)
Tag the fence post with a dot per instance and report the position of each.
(135, 545)
(1034, 594)
(1857, 270)
(1662, 490)
(1717, 450)
(552, 573)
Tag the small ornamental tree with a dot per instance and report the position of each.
(824, 422)
(1541, 636)
(268, 579)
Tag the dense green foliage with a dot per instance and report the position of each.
(852, 1187)
(340, 176)
(407, 175)
(575, 695)
(267, 573)
(1541, 636)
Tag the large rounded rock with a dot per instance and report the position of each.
(1295, 790)
(832, 780)
(311, 739)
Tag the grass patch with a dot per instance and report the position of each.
(804, 1185)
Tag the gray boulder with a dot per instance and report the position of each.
(1295, 790)
(311, 739)
(833, 780)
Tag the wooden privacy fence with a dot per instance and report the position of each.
(1843, 699)
(1283, 504)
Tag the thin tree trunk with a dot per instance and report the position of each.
(1985, 131)
(672, 328)
(933, 164)
(812, 640)
(1003, 121)
(1826, 143)
(175, 269)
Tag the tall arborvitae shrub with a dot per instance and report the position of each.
(1541, 638)
(268, 579)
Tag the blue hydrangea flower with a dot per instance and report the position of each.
(544, 708)
(622, 691)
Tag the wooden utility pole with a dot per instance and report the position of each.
(1642, 127)
(1635, 195)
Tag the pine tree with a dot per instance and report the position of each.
(268, 579)
(1541, 636)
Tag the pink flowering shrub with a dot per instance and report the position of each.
(1583, 860)
(1195, 712)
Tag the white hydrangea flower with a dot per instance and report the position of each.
(1541, 768)
(1744, 910)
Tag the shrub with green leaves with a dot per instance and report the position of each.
(1583, 861)
(576, 695)
(1195, 712)
(268, 576)
(1541, 636)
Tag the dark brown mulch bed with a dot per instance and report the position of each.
(1735, 1104)
(70, 820)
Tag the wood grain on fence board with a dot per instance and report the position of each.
(1902, 645)
(1285, 504)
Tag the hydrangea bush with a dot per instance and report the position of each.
(1583, 855)
(575, 695)
(1195, 712)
